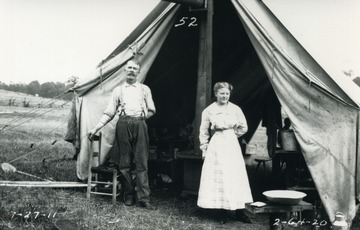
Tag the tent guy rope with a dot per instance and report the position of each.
(8, 168)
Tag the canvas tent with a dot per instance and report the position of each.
(252, 49)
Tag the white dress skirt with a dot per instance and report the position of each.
(224, 181)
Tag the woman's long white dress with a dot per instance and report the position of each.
(224, 181)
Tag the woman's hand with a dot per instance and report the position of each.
(203, 148)
(203, 155)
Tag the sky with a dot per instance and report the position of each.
(52, 40)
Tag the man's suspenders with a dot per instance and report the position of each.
(142, 101)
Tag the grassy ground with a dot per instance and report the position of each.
(49, 157)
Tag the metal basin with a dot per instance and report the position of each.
(289, 197)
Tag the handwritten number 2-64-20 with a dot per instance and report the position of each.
(190, 22)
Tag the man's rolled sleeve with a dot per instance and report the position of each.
(105, 119)
(112, 107)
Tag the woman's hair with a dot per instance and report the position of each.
(220, 85)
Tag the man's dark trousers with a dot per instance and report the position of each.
(133, 142)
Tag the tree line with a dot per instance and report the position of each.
(47, 89)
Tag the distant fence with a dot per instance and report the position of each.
(33, 104)
(9, 98)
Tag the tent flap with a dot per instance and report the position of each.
(317, 115)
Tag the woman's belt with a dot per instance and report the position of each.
(219, 130)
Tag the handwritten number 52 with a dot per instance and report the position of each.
(184, 20)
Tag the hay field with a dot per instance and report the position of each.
(31, 138)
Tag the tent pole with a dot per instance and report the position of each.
(357, 167)
(203, 91)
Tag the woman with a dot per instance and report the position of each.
(224, 182)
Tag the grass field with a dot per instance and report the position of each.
(173, 212)
(37, 134)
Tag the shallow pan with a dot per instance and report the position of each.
(289, 197)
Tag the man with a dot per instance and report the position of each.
(133, 102)
(287, 124)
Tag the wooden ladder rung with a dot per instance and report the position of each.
(102, 182)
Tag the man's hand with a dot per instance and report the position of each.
(91, 134)
(149, 114)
